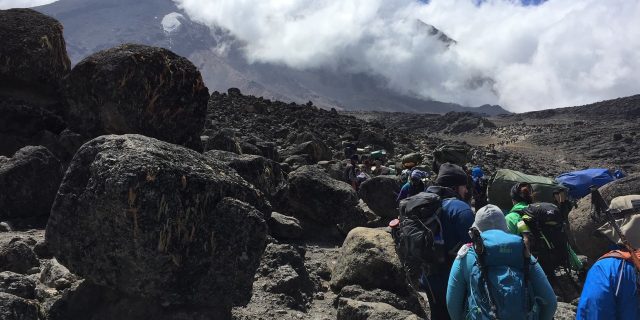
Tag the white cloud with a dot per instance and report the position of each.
(560, 53)
(8, 4)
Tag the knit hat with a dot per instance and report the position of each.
(418, 174)
(522, 192)
(451, 176)
(490, 217)
(477, 172)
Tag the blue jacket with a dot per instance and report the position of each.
(599, 300)
(461, 284)
(409, 190)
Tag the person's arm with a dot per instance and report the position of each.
(456, 289)
(404, 191)
(512, 222)
(543, 292)
(627, 299)
(597, 300)
(463, 221)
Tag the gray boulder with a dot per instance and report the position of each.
(156, 220)
(315, 195)
(380, 193)
(17, 285)
(317, 150)
(368, 259)
(33, 59)
(264, 174)
(28, 183)
(284, 227)
(349, 309)
(224, 140)
(55, 275)
(137, 89)
(16, 308)
(16, 256)
(584, 233)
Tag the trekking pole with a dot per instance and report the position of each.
(601, 208)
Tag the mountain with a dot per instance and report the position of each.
(93, 25)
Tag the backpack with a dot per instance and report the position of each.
(499, 277)
(548, 241)
(419, 239)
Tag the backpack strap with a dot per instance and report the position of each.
(478, 246)
(620, 254)
(526, 264)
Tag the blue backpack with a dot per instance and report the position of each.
(499, 277)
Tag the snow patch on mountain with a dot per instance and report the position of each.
(171, 22)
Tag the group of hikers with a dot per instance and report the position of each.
(484, 263)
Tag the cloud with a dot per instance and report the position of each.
(558, 53)
(8, 4)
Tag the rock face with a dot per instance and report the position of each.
(357, 310)
(380, 193)
(28, 183)
(16, 308)
(33, 59)
(368, 258)
(266, 175)
(315, 195)
(583, 228)
(137, 89)
(16, 256)
(155, 220)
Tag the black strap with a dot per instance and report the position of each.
(478, 246)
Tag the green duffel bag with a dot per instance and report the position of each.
(456, 154)
(412, 157)
(500, 184)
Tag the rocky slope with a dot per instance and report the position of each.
(251, 222)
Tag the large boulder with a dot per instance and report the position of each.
(137, 89)
(266, 175)
(380, 194)
(349, 309)
(28, 183)
(584, 233)
(368, 259)
(224, 140)
(317, 150)
(284, 227)
(16, 308)
(23, 124)
(16, 256)
(156, 220)
(326, 201)
(33, 59)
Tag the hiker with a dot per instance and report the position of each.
(489, 285)
(414, 186)
(521, 197)
(480, 184)
(351, 172)
(611, 289)
(456, 219)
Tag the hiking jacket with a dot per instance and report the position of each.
(460, 285)
(409, 190)
(514, 216)
(610, 292)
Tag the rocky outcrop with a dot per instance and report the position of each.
(349, 309)
(266, 175)
(326, 201)
(584, 233)
(284, 227)
(368, 259)
(410, 302)
(33, 59)
(17, 285)
(137, 89)
(158, 221)
(28, 184)
(16, 256)
(380, 194)
(16, 308)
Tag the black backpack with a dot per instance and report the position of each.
(548, 241)
(419, 236)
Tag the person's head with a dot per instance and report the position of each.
(417, 177)
(490, 217)
(476, 172)
(522, 192)
(453, 176)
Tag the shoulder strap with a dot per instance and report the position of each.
(620, 254)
